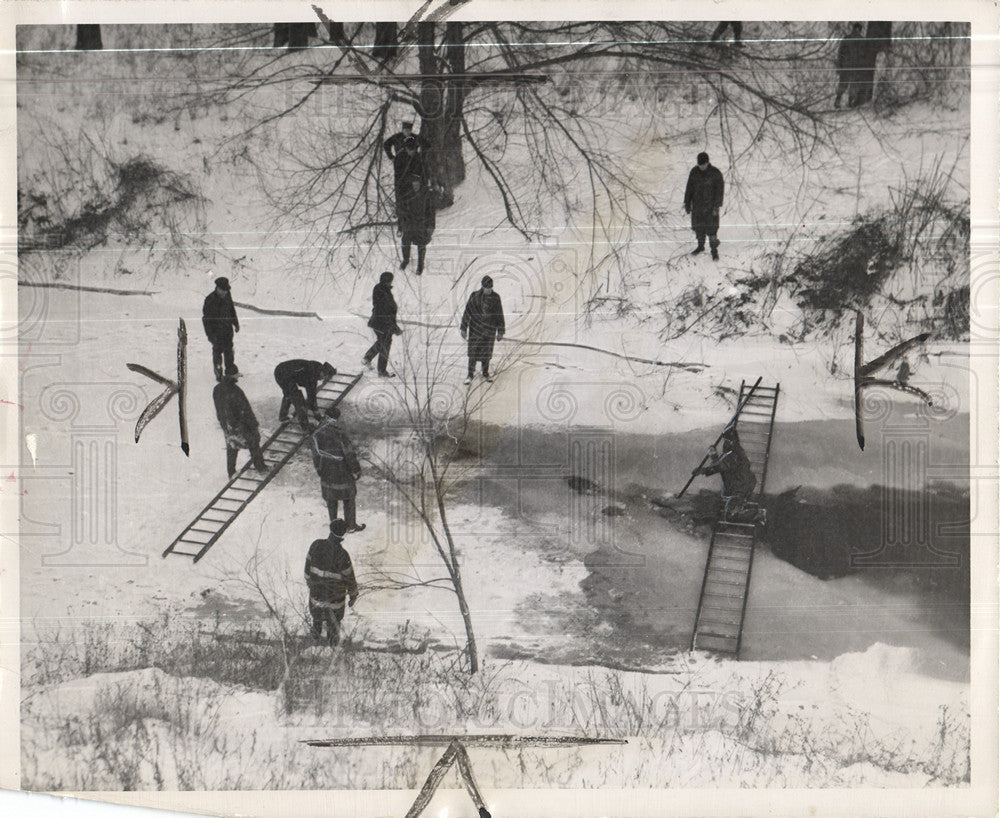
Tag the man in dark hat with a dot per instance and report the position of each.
(337, 465)
(482, 324)
(394, 144)
(330, 578)
(738, 479)
(295, 375)
(414, 203)
(239, 424)
(702, 199)
(851, 59)
(383, 323)
(218, 317)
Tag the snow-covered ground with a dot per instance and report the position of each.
(846, 682)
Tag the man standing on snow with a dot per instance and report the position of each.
(738, 479)
(702, 199)
(330, 578)
(851, 58)
(295, 375)
(394, 144)
(383, 322)
(482, 324)
(239, 424)
(414, 203)
(218, 317)
(337, 465)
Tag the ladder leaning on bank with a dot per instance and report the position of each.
(206, 528)
(722, 604)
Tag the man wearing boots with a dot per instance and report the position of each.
(330, 578)
(383, 323)
(294, 376)
(703, 199)
(482, 324)
(239, 424)
(218, 317)
(414, 203)
(337, 465)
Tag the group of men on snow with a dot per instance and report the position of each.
(328, 569)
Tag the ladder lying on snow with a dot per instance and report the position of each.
(723, 602)
(206, 528)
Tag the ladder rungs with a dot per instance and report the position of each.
(716, 581)
(712, 568)
(721, 624)
(203, 531)
(742, 548)
(738, 598)
(711, 635)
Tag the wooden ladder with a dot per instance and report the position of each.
(205, 529)
(722, 604)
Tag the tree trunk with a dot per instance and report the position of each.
(454, 103)
(463, 605)
(455, 573)
(386, 42)
(299, 34)
(88, 38)
(441, 103)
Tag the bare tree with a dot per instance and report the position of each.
(527, 104)
(424, 455)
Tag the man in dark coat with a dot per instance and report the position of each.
(414, 203)
(394, 144)
(383, 322)
(338, 468)
(482, 324)
(218, 317)
(239, 424)
(295, 375)
(738, 479)
(702, 199)
(330, 577)
(851, 58)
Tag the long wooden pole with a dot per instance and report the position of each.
(736, 414)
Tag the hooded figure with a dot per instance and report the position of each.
(239, 424)
(330, 577)
(414, 203)
(218, 317)
(383, 323)
(337, 465)
(738, 479)
(482, 324)
(702, 199)
(295, 375)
